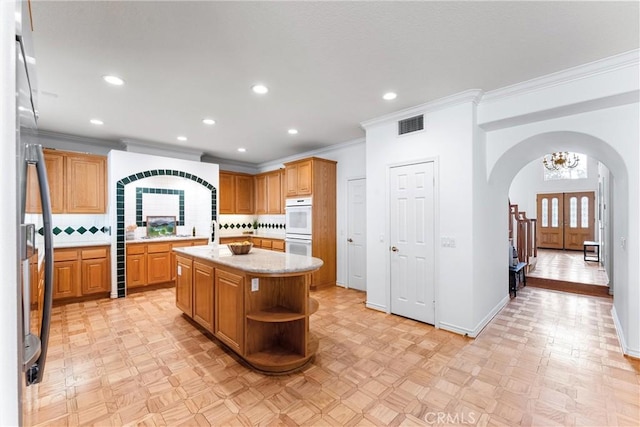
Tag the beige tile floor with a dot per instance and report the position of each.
(546, 359)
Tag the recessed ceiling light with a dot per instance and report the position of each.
(182, 138)
(260, 89)
(389, 96)
(242, 150)
(116, 81)
(292, 131)
(97, 122)
(208, 121)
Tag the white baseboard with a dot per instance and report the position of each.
(480, 326)
(375, 306)
(623, 343)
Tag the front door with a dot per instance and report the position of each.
(412, 251)
(565, 220)
(356, 234)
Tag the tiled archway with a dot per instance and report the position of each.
(120, 226)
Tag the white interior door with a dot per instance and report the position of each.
(412, 228)
(356, 234)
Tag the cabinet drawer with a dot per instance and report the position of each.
(65, 255)
(135, 249)
(181, 244)
(158, 247)
(266, 244)
(94, 253)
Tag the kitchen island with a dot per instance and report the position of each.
(257, 304)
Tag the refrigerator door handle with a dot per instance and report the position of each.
(36, 155)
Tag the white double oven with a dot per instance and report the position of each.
(298, 217)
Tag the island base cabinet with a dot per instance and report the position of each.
(229, 309)
(263, 318)
(203, 301)
(184, 275)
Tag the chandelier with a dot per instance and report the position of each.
(560, 160)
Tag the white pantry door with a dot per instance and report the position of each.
(412, 250)
(356, 234)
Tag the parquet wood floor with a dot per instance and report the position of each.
(546, 359)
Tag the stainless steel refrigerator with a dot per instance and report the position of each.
(35, 240)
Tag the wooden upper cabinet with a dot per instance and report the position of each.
(227, 193)
(85, 183)
(274, 193)
(299, 178)
(261, 194)
(77, 183)
(236, 193)
(55, 174)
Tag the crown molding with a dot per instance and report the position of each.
(312, 153)
(131, 145)
(65, 137)
(605, 65)
(471, 95)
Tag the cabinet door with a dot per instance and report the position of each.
(304, 178)
(65, 279)
(261, 194)
(227, 193)
(274, 195)
(85, 184)
(136, 270)
(291, 180)
(55, 175)
(184, 274)
(244, 194)
(229, 303)
(95, 276)
(174, 256)
(158, 267)
(278, 245)
(203, 295)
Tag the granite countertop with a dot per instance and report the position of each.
(165, 239)
(259, 261)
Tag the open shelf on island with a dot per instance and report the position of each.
(278, 359)
(275, 314)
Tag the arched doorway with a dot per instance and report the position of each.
(506, 165)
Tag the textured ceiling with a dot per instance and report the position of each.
(326, 64)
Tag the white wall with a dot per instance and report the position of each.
(447, 139)
(10, 369)
(530, 181)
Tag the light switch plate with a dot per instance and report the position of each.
(255, 284)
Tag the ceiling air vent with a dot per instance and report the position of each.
(412, 124)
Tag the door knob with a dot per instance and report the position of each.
(394, 249)
(350, 240)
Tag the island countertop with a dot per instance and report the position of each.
(258, 261)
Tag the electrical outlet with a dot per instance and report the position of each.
(255, 284)
(179, 270)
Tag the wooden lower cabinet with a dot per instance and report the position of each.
(228, 303)
(66, 279)
(79, 272)
(267, 325)
(136, 270)
(203, 295)
(184, 277)
(158, 268)
(258, 242)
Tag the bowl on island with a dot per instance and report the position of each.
(240, 248)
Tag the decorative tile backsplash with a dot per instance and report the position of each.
(191, 192)
(267, 224)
